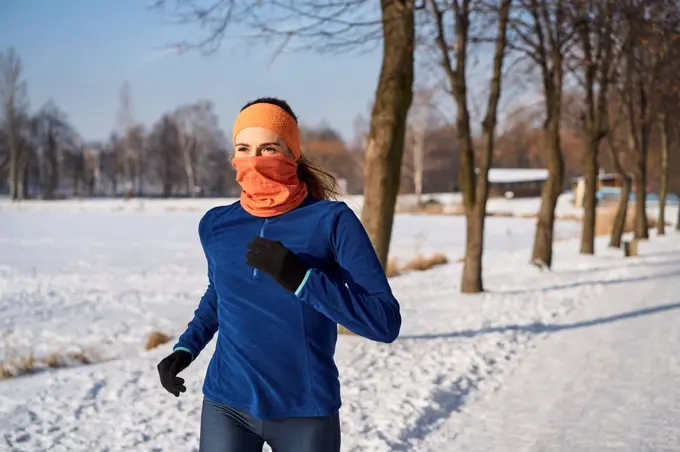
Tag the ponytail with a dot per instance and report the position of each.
(320, 184)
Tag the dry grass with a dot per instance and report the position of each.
(604, 221)
(156, 339)
(6, 365)
(26, 364)
(55, 360)
(454, 209)
(433, 208)
(5, 372)
(423, 209)
(392, 268)
(418, 263)
(568, 217)
(502, 214)
(14, 364)
(422, 263)
(81, 357)
(343, 330)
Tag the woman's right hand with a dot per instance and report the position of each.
(168, 369)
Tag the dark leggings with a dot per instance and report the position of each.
(226, 429)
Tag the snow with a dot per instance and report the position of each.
(523, 207)
(92, 277)
(603, 377)
(514, 175)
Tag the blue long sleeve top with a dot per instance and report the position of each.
(274, 352)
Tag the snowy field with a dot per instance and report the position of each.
(95, 277)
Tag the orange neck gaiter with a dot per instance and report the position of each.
(270, 185)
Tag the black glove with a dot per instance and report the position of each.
(168, 369)
(277, 261)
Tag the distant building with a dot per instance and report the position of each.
(516, 182)
(608, 188)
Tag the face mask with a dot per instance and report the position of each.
(270, 185)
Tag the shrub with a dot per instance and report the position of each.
(156, 339)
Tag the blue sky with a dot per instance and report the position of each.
(78, 52)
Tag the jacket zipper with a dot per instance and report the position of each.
(264, 225)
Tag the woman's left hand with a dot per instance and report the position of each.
(271, 257)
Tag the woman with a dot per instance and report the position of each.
(285, 265)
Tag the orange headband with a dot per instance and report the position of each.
(270, 117)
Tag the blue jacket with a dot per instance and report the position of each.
(274, 353)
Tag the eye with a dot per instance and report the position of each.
(241, 149)
(270, 150)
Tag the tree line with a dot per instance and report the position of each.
(606, 72)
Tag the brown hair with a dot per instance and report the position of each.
(320, 183)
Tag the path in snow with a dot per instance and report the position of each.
(605, 378)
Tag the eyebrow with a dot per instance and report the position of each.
(262, 144)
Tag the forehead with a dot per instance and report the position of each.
(256, 135)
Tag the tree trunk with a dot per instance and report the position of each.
(141, 171)
(25, 184)
(52, 165)
(475, 217)
(15, 185)
(590, 198)
(13, 174)
(419, 163)
(382, 165)
(472, 278)
(543, 240)
(622, 208)
(187, 147)
(76, 183)
(621, 212)
(23, 162)
(677, 223)
(663, 190)
(641, 228)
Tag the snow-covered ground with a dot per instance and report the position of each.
(603, 377)
(92, 277)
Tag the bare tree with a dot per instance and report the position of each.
(165, 154)
(93, 163)
(542, 32)
(4, 157)
(595, 64)
(54, 135)
(647, 28)
(325, 27)
(423, 117)
(110, 164)
(473, 178)
(14, 98)
(197, 133)
(615, 149)
(668, 95)
(126, 125)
